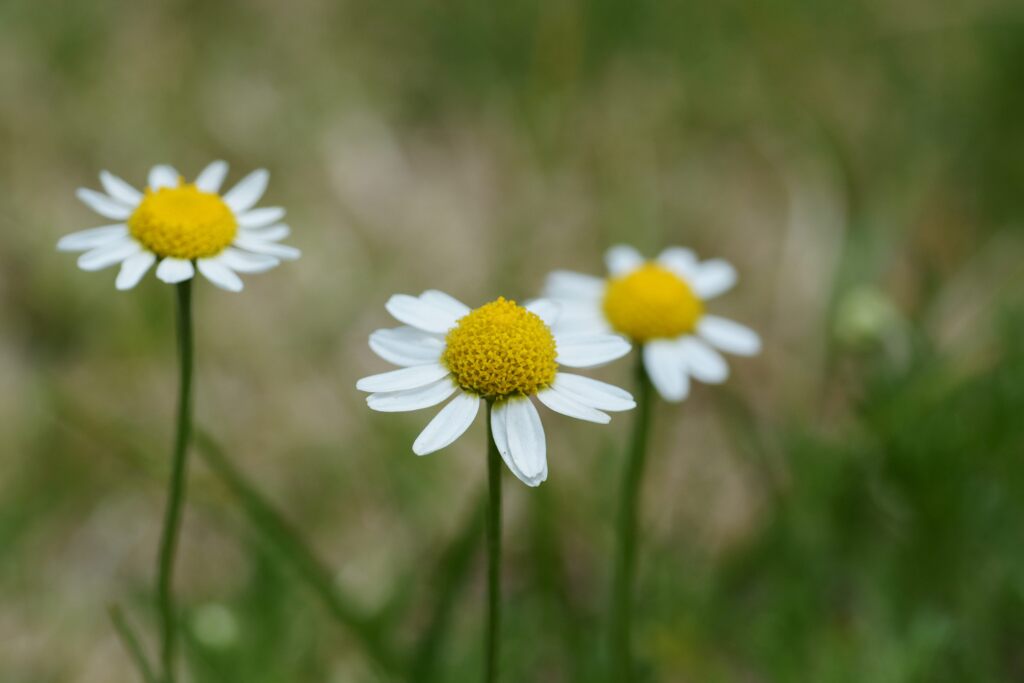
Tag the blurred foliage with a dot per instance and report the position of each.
(847, 508)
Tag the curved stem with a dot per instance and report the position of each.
(493, 555)
(620, 632)
(176, 489)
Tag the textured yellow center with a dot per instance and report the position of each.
(651, 302)
(501, 349)
(183, 222)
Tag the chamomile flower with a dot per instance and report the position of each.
(182, 227)
(501, 353)
(660, 305)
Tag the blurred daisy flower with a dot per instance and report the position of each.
(661, 305)
(500, 353)
(182, 227)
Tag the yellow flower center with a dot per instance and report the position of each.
(650, 303)
(501, 349)
(183, 222)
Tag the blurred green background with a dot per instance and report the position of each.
(848, 508)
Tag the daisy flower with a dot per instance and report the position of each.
(501, 353)
(660, 305)
(182, 227)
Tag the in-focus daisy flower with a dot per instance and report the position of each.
(182, 227)
(501, 353)
(661, 305)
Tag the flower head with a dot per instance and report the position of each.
(661, 305)
(502, 353)
(183, 226)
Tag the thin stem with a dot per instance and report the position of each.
(620, 632)
(132, 644)
(176, 490)
(493, 555)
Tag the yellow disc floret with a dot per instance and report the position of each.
(501, 349)
(183, 222)
(650, 303)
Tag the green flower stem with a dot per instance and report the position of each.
(176, 490)
(620, 670)
(493, 555)
(132, 645)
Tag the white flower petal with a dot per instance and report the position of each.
(259, 246)
(133, 268)
(563, 284)
(274, 233)
(545, 309)
(119, 189)
(220, 274)
(174, 270)
(729, 336)
(713, 277)
(448, 425)
(211, 177)
(104, 205)
(445, 301)
(258, 218)
(412, 399)
(664, 364)
(622, 259)
(248, 191)
(577, 318)
(109, 254)
(421, 314)
(703, 362)
(163, 175)
(92, 238)
(593, 393)
(404, 379)
(406, 346)
(587, 351)
(526, 444)
(567, 405)
(245, 262)
(499, 432)
(682, 262)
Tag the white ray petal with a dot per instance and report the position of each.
(567, 405)
(449, 424)
(587, 351)
(445, 301)
(729, 336)
(247, 192)
(211, 177)
(174, 270)
(244, 261)
(545, 309)
(406, 346)
(119, 189)
(666, 368)
(104, 205)
(274, 233)
(564, 284)
(682, 262)
(412, 399)
(163, 175)
(133, 268)
(622, 259)
(259, 246)
(220, 274)
(593, 393)
(703, 362)
(258, 218)
(109, 254)
(526, 443)
(421, 314)
(92, 238)
(404, 379)
(713, 277)
(499, 432)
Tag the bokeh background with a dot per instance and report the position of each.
(848, 508)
